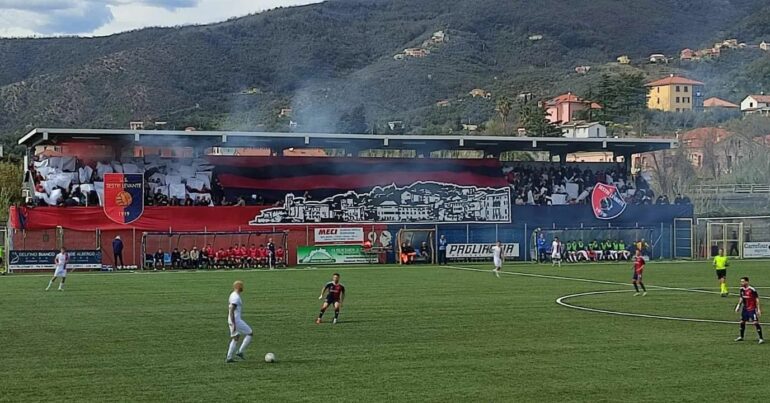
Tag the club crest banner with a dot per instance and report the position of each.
(123, 197)
(606, 201)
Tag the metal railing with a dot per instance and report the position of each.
(745, 188)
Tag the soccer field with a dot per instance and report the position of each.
(417, 333)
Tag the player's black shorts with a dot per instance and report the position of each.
(330, 299)
(721, 273)
(749, 315)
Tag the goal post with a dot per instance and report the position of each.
(416, 246)
(166, 243)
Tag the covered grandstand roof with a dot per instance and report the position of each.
(491, 145)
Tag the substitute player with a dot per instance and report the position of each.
(720, 264)
(751, 311)
(335, 294)
(556, 251)
(237, 326)
(60, 269)
(638, 271)
(498, 256)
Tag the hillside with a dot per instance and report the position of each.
(333, 62)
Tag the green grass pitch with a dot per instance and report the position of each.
(418, 333)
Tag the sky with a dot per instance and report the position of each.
(23, 18)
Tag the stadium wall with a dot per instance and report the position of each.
(84, 228)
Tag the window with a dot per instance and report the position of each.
(729, 162)
(677, 109)
(658, 99)
(677, 88)
(751, 104)
(657, 89)
(686, 89)
(677, 99)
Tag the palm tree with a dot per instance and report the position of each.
(504, 107)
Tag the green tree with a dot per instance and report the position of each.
(621, 96)
(10, 192)
(535, 120)
(504, 107)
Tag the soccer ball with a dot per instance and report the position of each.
(269, 357)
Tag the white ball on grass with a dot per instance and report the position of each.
(269, 357)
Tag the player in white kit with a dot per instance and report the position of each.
(498, 257)
(60, 269)
(237, 326)
(556, 251)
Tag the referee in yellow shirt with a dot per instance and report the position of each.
(720, 264)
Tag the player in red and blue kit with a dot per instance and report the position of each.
(751, 310)
(638, 271)
(335, 294)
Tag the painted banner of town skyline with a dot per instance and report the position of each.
(420, 202)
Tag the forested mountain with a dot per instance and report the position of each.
(333, 63)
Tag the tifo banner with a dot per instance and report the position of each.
(274, 177)
(123, 197)
(479, 250)
(334, 254)
(420, 202)
(44, 259)
(607, 202)
(339, 235)
(756, 249)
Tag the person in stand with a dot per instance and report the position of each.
(157, 259)
(176, 258)
(185, 256)
(117, 252)
(442, 244)
(195, 257)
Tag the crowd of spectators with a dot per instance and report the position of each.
(68, 181)
(560, 184)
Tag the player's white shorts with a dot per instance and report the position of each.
(60, 272)
(498, 262)
(555, 255)
(241, 328)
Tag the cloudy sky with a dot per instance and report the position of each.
(104, 17)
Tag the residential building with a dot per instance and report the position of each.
(765, 46)
(658, 58)
(687, 54)
(416, 52)
(582, 69)
(480, 93)
(715, 103)
(536, 37)
(470, 128)
(584, 130)
(756, 104)
(564, 108)
(443, 103)
(624, 59)
(285, 112)
(675, 94)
